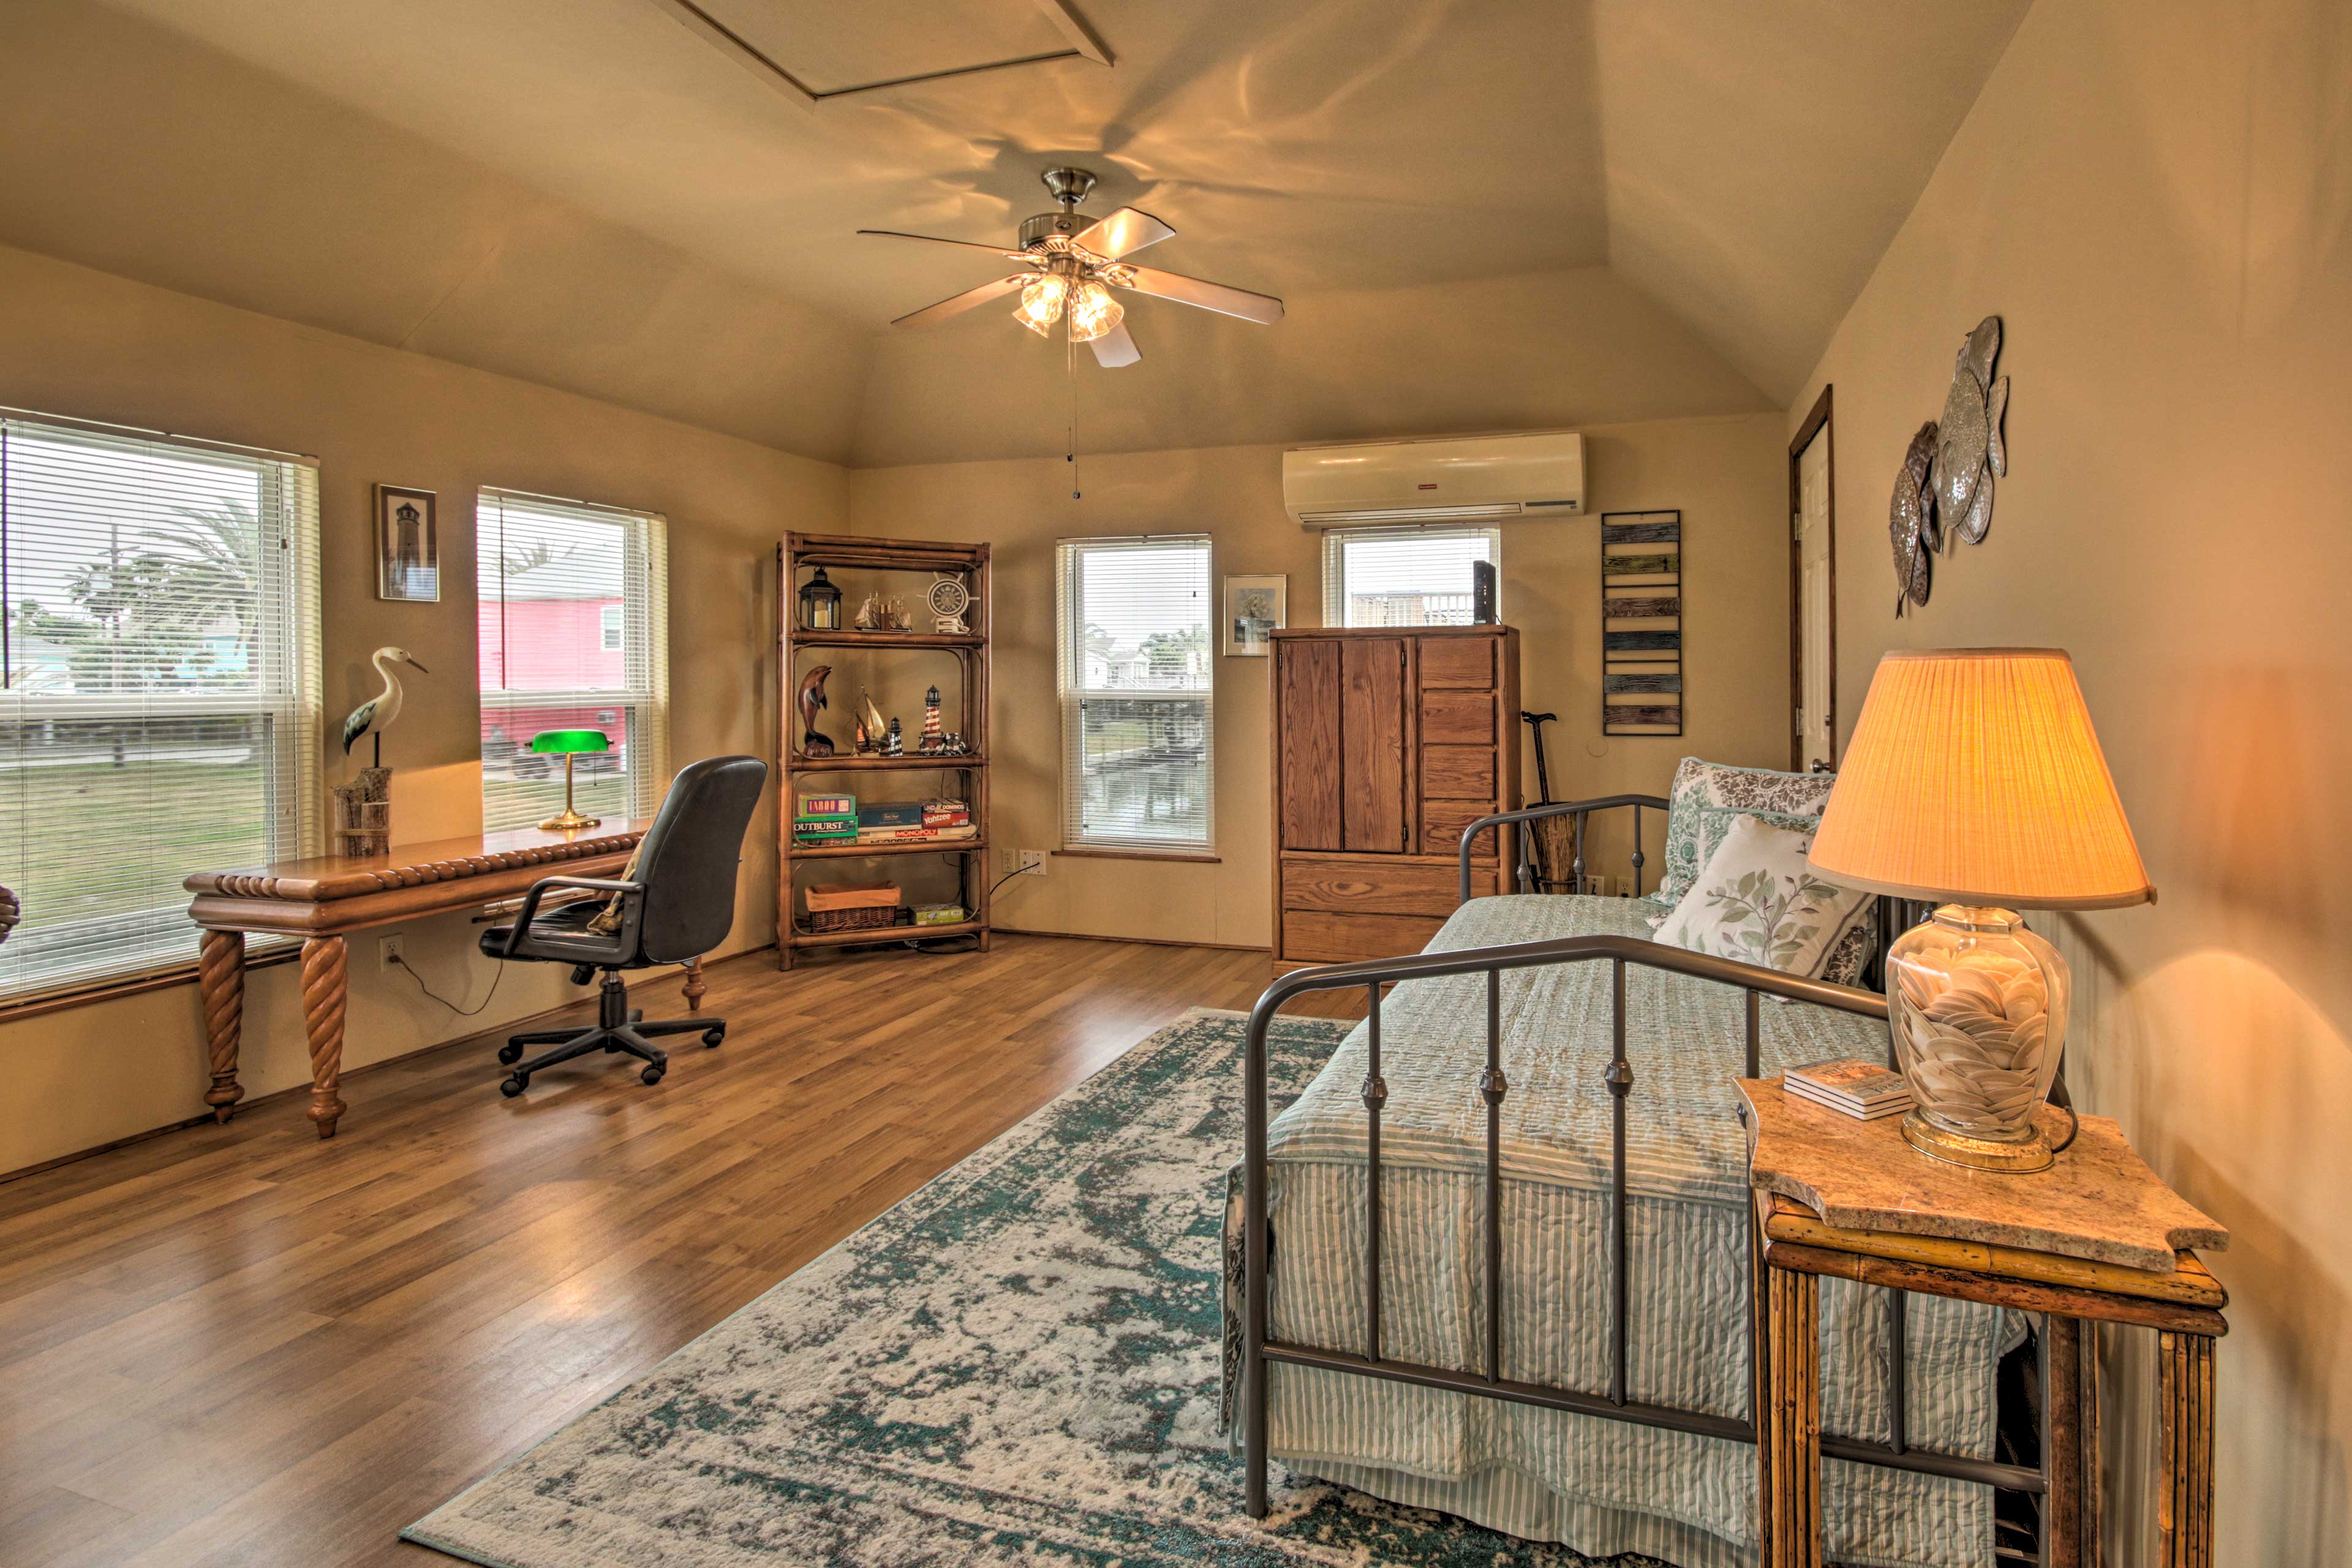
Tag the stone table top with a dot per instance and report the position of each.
(2100, 1201)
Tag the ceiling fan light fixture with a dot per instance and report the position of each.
(1040, 303)
(1093, 312)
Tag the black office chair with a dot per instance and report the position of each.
(681, 905)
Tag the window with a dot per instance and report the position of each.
(159, 685)
(1136, 667)
(1403, 576)
(574, 626)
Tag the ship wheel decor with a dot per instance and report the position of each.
(1944, 494)
(948, 599)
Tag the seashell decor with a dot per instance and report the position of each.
(1976, 1009)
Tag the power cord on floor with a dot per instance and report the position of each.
(943, 946)
(401, 963)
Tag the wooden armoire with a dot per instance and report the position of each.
(1388, 740)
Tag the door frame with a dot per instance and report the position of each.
(1817, 423)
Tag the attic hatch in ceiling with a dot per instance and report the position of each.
(810, 51)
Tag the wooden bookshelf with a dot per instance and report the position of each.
(799, 554)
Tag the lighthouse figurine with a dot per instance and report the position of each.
(932, 741)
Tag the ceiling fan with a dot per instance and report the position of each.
(1069, 268)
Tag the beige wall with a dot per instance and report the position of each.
(1728, 475)
(79, 342)
(2156, 199)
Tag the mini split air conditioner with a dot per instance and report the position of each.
(1539, 474)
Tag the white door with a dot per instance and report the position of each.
(1816, 639)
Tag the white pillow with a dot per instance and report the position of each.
(1757, 899)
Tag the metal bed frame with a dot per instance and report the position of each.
(1897, 1452)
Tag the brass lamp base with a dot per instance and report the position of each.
(2017, 1159)
(568, 820)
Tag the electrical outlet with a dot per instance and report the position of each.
(1624, 887)
(1033, 862)
(390, 952)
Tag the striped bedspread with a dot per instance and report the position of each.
(1601, 1487)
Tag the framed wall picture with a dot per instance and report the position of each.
(408, 545)
(1642, 623)
(1255, 608)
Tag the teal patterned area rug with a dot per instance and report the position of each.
(1017, 1364)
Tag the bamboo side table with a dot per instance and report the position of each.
(2098, 1238)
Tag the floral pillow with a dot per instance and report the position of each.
(1758, 900)
(1701, 784)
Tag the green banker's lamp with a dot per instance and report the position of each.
(568, 744)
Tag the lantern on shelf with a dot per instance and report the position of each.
(819, 604)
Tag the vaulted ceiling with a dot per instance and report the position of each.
(1481, 213)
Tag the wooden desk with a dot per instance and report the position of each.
(325, 898)
(2097, 1237)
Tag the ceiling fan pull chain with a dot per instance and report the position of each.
(1070, 380)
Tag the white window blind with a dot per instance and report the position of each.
(159, 687)
(1136, 672)
(1403, 576)
(573, 609)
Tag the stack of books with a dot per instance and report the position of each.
(826, 819)
(1857, 1089)
(913, 822)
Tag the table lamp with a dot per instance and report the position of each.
(568, 743)
(1974, 781)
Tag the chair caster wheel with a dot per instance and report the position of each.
(651, 1075)
(514, 1084)
(711, 1037)
(509, 1054)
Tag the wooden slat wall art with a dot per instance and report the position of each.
(1642, 623)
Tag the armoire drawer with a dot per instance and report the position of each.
(1442, 821)
(1449, 717)
(1458, 661)
(1311, 936)
(1371, 887)
(1457, 773)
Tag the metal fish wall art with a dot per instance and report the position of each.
(1943, 495)
(1969, 451)
(1911, 520)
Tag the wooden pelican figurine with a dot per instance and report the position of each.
(375, 715)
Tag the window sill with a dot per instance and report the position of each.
(83, 995)
(1188, 856)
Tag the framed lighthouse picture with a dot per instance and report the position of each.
(408, 545)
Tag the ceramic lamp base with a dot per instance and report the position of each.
(570, 821)
(2015, 1158)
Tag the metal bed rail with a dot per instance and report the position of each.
(1490, 1380)
(1580, 809)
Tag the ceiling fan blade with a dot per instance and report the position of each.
(956, 304)
(1207, 296)
(1115, 348)
(935, 239)
(1123, 230)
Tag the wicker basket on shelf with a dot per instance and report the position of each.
(852, 906)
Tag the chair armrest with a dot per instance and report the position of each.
(540, 888)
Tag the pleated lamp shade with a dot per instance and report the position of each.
(1974, 777)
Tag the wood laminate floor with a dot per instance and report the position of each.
(240, 1345)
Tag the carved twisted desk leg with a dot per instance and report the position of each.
(326, 990)
(220, 984)
(694, 985)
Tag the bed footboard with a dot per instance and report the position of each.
(1490, 1379)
